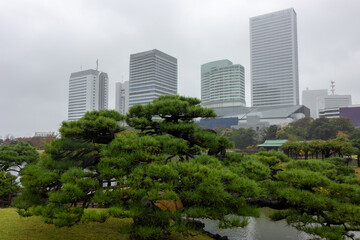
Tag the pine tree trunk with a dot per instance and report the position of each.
(9, 200)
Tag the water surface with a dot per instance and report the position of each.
(261, 228)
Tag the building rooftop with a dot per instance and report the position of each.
(153, 53)
(84, 73)
(267, 15)
(273, 143)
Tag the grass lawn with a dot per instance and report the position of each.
(14, 227)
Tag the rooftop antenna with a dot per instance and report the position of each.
(332, 87)
(97, 64)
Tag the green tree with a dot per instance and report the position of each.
(269, 133)
(317, 199)
(292, 149)
(322, 128)
(343, 124)
(281, 133)
(355, 134)
(8, 186)
(341, 147)
(302, 123)
(219, 129)
(96, 127)
(244, 137)
(333, 147)
(356, 147)
(175, 116)
(300, 128)
(315, 146)
(67, 174)
(227, 132)
(15, 156)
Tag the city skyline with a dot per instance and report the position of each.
(47, 41)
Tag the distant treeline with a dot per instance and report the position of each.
(36, 141)
(301, 130)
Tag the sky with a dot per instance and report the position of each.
(42, 42)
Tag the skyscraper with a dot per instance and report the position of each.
(152, 74)
(274, 59)
(122, 97)
(222, 84)
(88, 90)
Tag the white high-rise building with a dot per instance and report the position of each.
(222, 84)
(122, 97)
(88, 90)
(274, 59)
(314, 100)
(152, 74)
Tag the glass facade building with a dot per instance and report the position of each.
(222, 84)
(122, 97)
(88, 90)
(274, 59)
(152, 74)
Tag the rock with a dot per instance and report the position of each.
(216, 236)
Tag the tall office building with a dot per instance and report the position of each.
(122, 97)
(152, 74)
(222, 84)
(88, 90)
(314, 100)
(274, 59)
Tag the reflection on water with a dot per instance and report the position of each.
(261, 228)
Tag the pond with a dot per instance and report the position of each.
(261, 228)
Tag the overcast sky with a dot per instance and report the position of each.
(43, 42)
